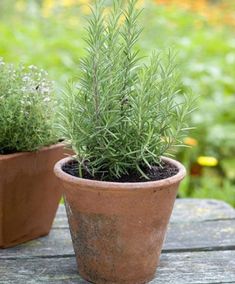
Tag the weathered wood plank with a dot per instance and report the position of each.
(196, 225)
(175, 268)
(212, 235)
(185, 210)
(199, 210)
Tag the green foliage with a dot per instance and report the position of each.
(207, 55)
(25, 109)
(216, 189)
(122, 115)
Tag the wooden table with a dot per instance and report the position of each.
(199, 248)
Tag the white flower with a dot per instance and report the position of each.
(44, 89)
(25, 78)
(33, 67)
(46, 99)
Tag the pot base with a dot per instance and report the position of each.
(118, 281)
(23, 240)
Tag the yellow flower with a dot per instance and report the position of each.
(47, 7)
(68, 3)
(216, 13)
(207, 161)
(84, 2)
(86, 9)
(20, 5)
(140, 4)
(106, 11)
(190, 141)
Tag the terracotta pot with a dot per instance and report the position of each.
(118, 229)
(29, 194)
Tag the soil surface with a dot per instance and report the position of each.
(158, 172)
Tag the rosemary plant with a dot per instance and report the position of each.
(122, 114)
(25, 109)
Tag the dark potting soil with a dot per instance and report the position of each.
(7, 151)
(154, 173)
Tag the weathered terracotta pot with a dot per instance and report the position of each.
(29, 194)
(118, 229)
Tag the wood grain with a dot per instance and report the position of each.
(178, 268)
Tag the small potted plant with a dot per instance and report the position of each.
(121, 117)
(29, 193)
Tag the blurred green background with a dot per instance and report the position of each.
(48, 33)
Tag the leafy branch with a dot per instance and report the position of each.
(122, 115)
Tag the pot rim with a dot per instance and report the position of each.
(108, 185)
(43, 149)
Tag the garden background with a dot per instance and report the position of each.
(48, 33)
